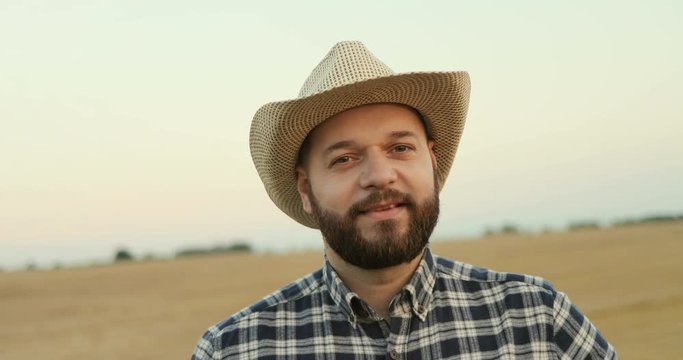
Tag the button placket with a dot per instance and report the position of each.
(400, 333)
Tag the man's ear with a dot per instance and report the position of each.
(303, 189)
(430, 145)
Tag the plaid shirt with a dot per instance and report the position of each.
(449, 310)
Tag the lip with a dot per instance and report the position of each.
(384, 211)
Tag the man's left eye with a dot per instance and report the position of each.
(401, 148)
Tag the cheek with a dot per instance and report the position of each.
(427, 184)
(333, 194)
(420, 183)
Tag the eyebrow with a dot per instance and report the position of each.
(344, 144)
(402, 134)
(339, 145)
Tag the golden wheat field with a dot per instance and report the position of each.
(628, 280)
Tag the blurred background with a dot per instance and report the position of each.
(124, 124)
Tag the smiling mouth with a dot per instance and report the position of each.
(382, 207)
(383, 211)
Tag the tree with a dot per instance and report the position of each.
(122, 255)
(509, 229)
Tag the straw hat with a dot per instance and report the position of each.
(347, 77)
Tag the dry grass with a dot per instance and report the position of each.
(628, 280)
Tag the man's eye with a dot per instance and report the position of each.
(401, 148)
(341, 160)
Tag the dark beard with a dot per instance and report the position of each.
(389, 248)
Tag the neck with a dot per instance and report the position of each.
(376, 287)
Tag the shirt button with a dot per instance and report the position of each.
(393, 354)
(421, 310)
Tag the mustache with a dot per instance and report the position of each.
(378, 196)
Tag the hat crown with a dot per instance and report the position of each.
(346, 63)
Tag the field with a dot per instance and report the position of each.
(628, 280)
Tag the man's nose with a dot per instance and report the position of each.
(377, 171)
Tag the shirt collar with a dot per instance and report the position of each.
(421, 285)
(420, 288)
(340, 294)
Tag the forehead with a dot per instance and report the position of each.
(367, 121)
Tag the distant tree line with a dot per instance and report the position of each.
(505, 229)
(124, 255)
(234, 247)
(586, 224)
(583, 225)
(649, 220)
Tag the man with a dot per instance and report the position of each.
(362, 154)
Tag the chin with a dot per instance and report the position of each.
(379, 230)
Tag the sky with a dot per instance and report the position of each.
(124, 124)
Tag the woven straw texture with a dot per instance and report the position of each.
(347, 77)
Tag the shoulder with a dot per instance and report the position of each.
(466, 282)
(288, 295)
(456, 270)
(295, 297)
(532, 302)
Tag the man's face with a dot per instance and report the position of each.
(369, 178)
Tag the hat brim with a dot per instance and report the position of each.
(278, 129)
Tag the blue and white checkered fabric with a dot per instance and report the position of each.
(449, 310)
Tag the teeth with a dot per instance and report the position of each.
(385, 208)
